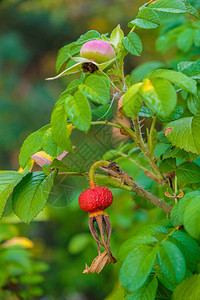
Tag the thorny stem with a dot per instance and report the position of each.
(121, 76)
(123, 178)
(151, 135)
(137, 135)
(126, 131)
(175, 189)
(175, 185)
(107, 123)
(145, 150)
(72, 174)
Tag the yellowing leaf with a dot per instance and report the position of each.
(42, 158)
(27, 168)
(147, 86)
(18, 241)
(70, 127)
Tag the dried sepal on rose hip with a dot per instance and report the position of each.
(97, 51)
(94, 201)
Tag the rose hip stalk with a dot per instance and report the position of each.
(95, 200)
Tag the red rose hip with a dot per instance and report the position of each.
(99, 51)
(95, 199)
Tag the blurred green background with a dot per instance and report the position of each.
(31, 34)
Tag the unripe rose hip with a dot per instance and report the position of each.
(95, 199)
(99, 51)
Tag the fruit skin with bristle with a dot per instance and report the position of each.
(95, 199)
(98, 51)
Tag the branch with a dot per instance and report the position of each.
(72, 173)
(121, 176)
(145, 150)
(123, 129)
(124, 181)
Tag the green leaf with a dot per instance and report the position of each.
(188, 172)
(188, 289)
(167, 165)
(163, 293)
(147, 291)
(193, 104)
(137, 266)
(171, 261)
(111, 154)
(79, 111)
(49, 145)
(73, 85)
(8, 180)
(124, 147)
(134, 242)
(31, 194)
(63, 54)
(178, 209)
(160, 96)
(179, 79)
(132, 101)
(103, 111)
(175, 6)
(197, 38)
(27, 168)
(139, 72)
(169, 285)
(116, 36)
(191, 218)
(152, 229)
(95, 88)
(185, 39)
(191, 9)
(88, 36)
(188, 247)
(185, 133)
(145, 112)
(189, 68)
(59, 128)
(146, 18)
(165, 42)
(162, 138)
(19, 259)
(128, 81)
(132, 43)
(118, 293)
(31, 145)
(175, 152)
(177, 114)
